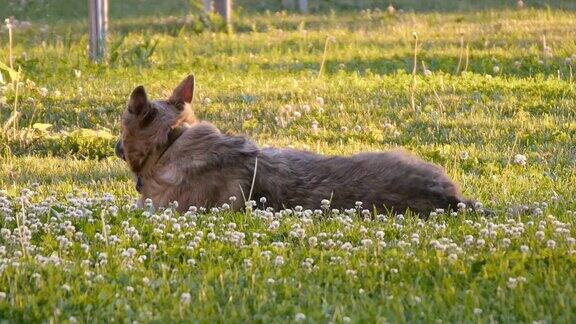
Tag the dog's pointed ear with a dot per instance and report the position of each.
(184, 92)
(138, 101)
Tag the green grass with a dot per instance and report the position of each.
(472, 123)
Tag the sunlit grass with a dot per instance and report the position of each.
(504, 129)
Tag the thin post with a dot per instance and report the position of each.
(105, 17)
(303, 6)
(98, 25)
(224, 9)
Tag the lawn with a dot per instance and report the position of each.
(492, 100)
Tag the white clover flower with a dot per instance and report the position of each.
(312, 241)
(453, 257)
(540, 235)
(427, 73)
(130, 289)
(524, 248)
(366, 242)
(551, 244)
(346, 246)
(43, 92)
(320, 101)
(279, 261)
(299, 317)
(8, 23)
(496, 69)
(512, 283)
(185, 298)
(346, 319)
(520, 159)
(273, 225)
(2, 295)
(314, 127)
(477, 311)
(464, 156)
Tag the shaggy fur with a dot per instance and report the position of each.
(203, 167)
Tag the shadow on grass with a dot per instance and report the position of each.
(515, 67)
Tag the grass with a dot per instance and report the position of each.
(70, 252)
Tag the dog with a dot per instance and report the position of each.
(176, 157)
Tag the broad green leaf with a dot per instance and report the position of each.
(86, 132)
(42, 127)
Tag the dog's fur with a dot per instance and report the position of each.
(203, 167)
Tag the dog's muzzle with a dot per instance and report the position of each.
(119, 150)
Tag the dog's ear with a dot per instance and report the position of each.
(183, 93)
(138, 101)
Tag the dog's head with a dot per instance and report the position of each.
(146, 124)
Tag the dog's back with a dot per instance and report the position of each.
(393, 180)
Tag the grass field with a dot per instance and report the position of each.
(493, 102)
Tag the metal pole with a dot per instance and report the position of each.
(303, 6)
(98, 25)
(224, 8)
